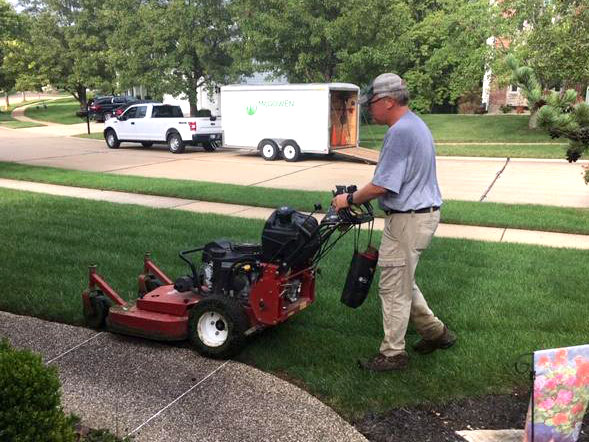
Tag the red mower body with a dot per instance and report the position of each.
(162, 313)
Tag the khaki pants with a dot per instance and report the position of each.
(405, 236)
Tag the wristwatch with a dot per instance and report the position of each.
(350, 198)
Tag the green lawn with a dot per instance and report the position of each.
(62, 111)
(93, 136)
(6, 119)
(503, 300)
(473, 128)
(548, 151)
(523, 216)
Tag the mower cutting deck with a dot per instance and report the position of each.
(237, 290)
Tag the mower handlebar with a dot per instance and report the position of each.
(183, 256)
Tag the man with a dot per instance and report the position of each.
(406, 186)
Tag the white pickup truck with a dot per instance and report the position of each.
(149, 123)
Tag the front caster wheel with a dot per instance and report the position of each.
(217, 326)
(95, 310)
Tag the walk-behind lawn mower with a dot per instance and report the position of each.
(238, 289)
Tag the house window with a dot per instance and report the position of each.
(513, 88)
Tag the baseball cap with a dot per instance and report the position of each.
(384, 84)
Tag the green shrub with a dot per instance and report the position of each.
(30, 408)
(505, 108)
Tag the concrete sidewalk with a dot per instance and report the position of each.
(494, 234)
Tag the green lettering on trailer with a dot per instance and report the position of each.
(252, 109)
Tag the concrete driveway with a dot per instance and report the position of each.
(527, 181)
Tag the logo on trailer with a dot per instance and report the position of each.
(251, 110)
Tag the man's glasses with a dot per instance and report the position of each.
(371, 102)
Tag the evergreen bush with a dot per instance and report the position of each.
(30, 408)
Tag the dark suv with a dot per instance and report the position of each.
(102, 108)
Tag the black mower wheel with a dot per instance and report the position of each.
(217, 326)
(95, 314)
(146, 143)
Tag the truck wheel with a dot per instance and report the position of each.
(268, 149)
(175, 143)
(146, 143)
(95, 314)
(111, 139)
(291, 151)
(216, 327)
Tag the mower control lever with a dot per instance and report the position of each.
(183, 256)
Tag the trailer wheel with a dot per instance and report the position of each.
(268, 149)
(291, 151)
(216, 327)
(112, 140)
(175, 143)
(96, 312)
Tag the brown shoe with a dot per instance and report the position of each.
(446, 340)
(385, 363)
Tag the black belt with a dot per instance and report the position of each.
(424, 210)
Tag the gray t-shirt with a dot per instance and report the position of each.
(407, 166)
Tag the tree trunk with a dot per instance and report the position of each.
(81, 89)
(193, 108)
(7, 103)
(24, 97)
(533, 121)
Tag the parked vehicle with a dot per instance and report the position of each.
(290, 120)
(149, 123)
(102, 108)
(120, 110)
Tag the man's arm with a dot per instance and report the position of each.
(366, 193)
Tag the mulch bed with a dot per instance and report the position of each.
(438, 423)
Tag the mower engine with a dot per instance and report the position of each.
(236, 290)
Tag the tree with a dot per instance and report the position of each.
(450, 50)
(68, 39)
(10, 26)
(551, 37)
(439, 47)
(563, 117)
(309, 41)
(174, 46)
(524, 77)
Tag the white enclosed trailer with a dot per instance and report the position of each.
(292, 119)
